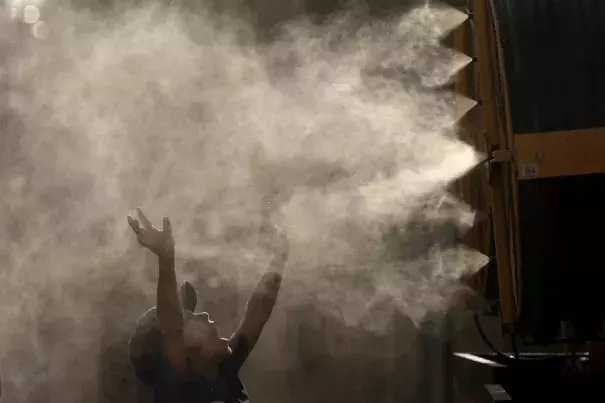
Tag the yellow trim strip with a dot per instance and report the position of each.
(562, 153)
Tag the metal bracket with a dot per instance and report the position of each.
(497, 157)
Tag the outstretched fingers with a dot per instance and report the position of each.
(134, 224)
(146, 223)
(166, 225)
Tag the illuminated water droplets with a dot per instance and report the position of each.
(40, 30)
(31, 14)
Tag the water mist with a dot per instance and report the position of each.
(343, 126)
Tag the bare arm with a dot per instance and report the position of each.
(170, 313)
(169, 310)
(261, 303)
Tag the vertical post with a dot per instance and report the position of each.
(509, 140)
(500, 171)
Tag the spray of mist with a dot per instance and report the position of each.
(343, 126)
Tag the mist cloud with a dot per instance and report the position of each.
(343, 126)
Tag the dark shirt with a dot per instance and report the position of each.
(190, 387)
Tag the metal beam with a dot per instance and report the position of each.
(500, 171)
(561, 153)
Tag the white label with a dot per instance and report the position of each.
(529, 170)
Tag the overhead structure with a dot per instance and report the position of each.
(539, 79)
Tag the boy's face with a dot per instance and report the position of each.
(201, 334)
